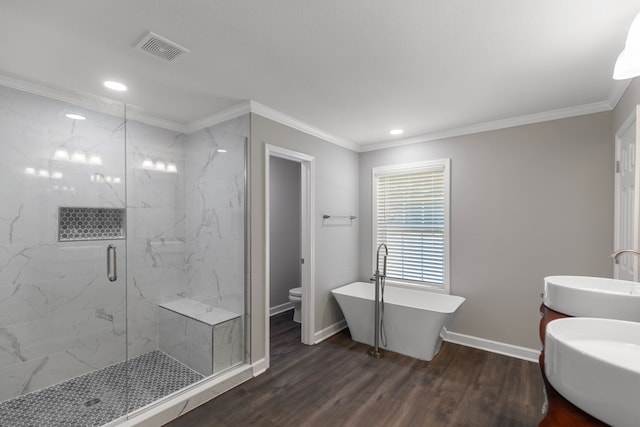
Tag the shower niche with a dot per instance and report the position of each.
(75, 224)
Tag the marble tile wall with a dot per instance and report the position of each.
(59, 315)
(156, 262)
(206, 339)
(228, 344)
(215, 221)
(186, 229)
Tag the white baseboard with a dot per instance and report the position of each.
(259, 367)
(329, 331)
(280, 308)
(516, 351)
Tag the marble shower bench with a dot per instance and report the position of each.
(205, 338)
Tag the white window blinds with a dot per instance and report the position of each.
(411, 214)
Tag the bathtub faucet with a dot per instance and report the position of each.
(375, 351)
(616, 254)
(377, 274)
(384, 260)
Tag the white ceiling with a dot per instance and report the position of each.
(353, 68)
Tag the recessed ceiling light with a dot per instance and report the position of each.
(75, 116)
(221, 150)
(115, 86)
(396, 131)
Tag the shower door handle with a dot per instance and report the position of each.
(112, 264)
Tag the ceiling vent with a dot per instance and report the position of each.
(161, 48)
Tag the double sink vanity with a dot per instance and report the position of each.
(590, 362)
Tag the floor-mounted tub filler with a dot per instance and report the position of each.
(414, 320)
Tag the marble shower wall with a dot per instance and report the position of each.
(156, 218)
(186, 229)
(215, 214)
(59, 315)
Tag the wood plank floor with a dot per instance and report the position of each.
(335, 383)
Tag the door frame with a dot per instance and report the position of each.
(630, 121)
(307, 187)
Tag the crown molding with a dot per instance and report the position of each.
(113, 107)
(222, 116)
(291, 122)
(546, 116)
(619, 88)
(133, 113)
(89, 101)
(86, 100)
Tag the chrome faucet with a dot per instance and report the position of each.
(375, 351)
(384, 261)
(616, 254)
(377, 274)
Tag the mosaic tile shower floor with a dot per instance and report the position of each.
(99, 397)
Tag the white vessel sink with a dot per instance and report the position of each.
(595, 364)
(593, 297)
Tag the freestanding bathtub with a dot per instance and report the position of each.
(413, 319)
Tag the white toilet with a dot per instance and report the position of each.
(295, 296)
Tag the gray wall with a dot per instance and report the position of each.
(336, 248)
(284, 218)
(526, 202)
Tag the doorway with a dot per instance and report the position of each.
(305, 163)
(285, 268)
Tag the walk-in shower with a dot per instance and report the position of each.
(122, 259)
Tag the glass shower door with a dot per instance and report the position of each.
(185, 247)
(63, 337)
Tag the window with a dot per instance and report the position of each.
(411, 215)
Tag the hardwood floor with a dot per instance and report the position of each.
(335, 383)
